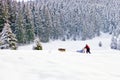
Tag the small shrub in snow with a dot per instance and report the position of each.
(100, 44)
(37, 45)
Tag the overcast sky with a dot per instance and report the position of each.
(23, 0)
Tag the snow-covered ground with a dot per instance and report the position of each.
(50, 64)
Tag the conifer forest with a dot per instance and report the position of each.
(59, 20)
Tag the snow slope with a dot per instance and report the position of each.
(75, 45)
(50, 64)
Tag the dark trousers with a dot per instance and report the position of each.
(88, 50)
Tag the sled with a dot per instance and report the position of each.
(80, 51)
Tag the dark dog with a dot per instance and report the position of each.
(61, 49)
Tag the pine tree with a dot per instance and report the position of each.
(19, 25)
(7, 38)
(37, 19)
(1, 15)
(13, 14)
(114, 43)
(118, 37)
(4, 12)
(29, 25)
(46, 24)
(118, 44)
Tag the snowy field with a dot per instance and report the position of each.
(50, 64)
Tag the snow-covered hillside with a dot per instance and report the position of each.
(75, 45)
(50, 64)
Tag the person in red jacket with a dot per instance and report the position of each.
(87, 49)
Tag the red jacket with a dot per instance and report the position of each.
(87, 47)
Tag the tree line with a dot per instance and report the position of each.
(60, 19)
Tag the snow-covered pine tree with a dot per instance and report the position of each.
(118, 44)
(4, 12)
(1, 15)
(114, 43)
(36, 10)
(37, 45)
(19, 25)
(118, 37)
(13, 13)
(46, 24)
(28, 23)
(7, 38)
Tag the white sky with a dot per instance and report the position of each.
(23, 0)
